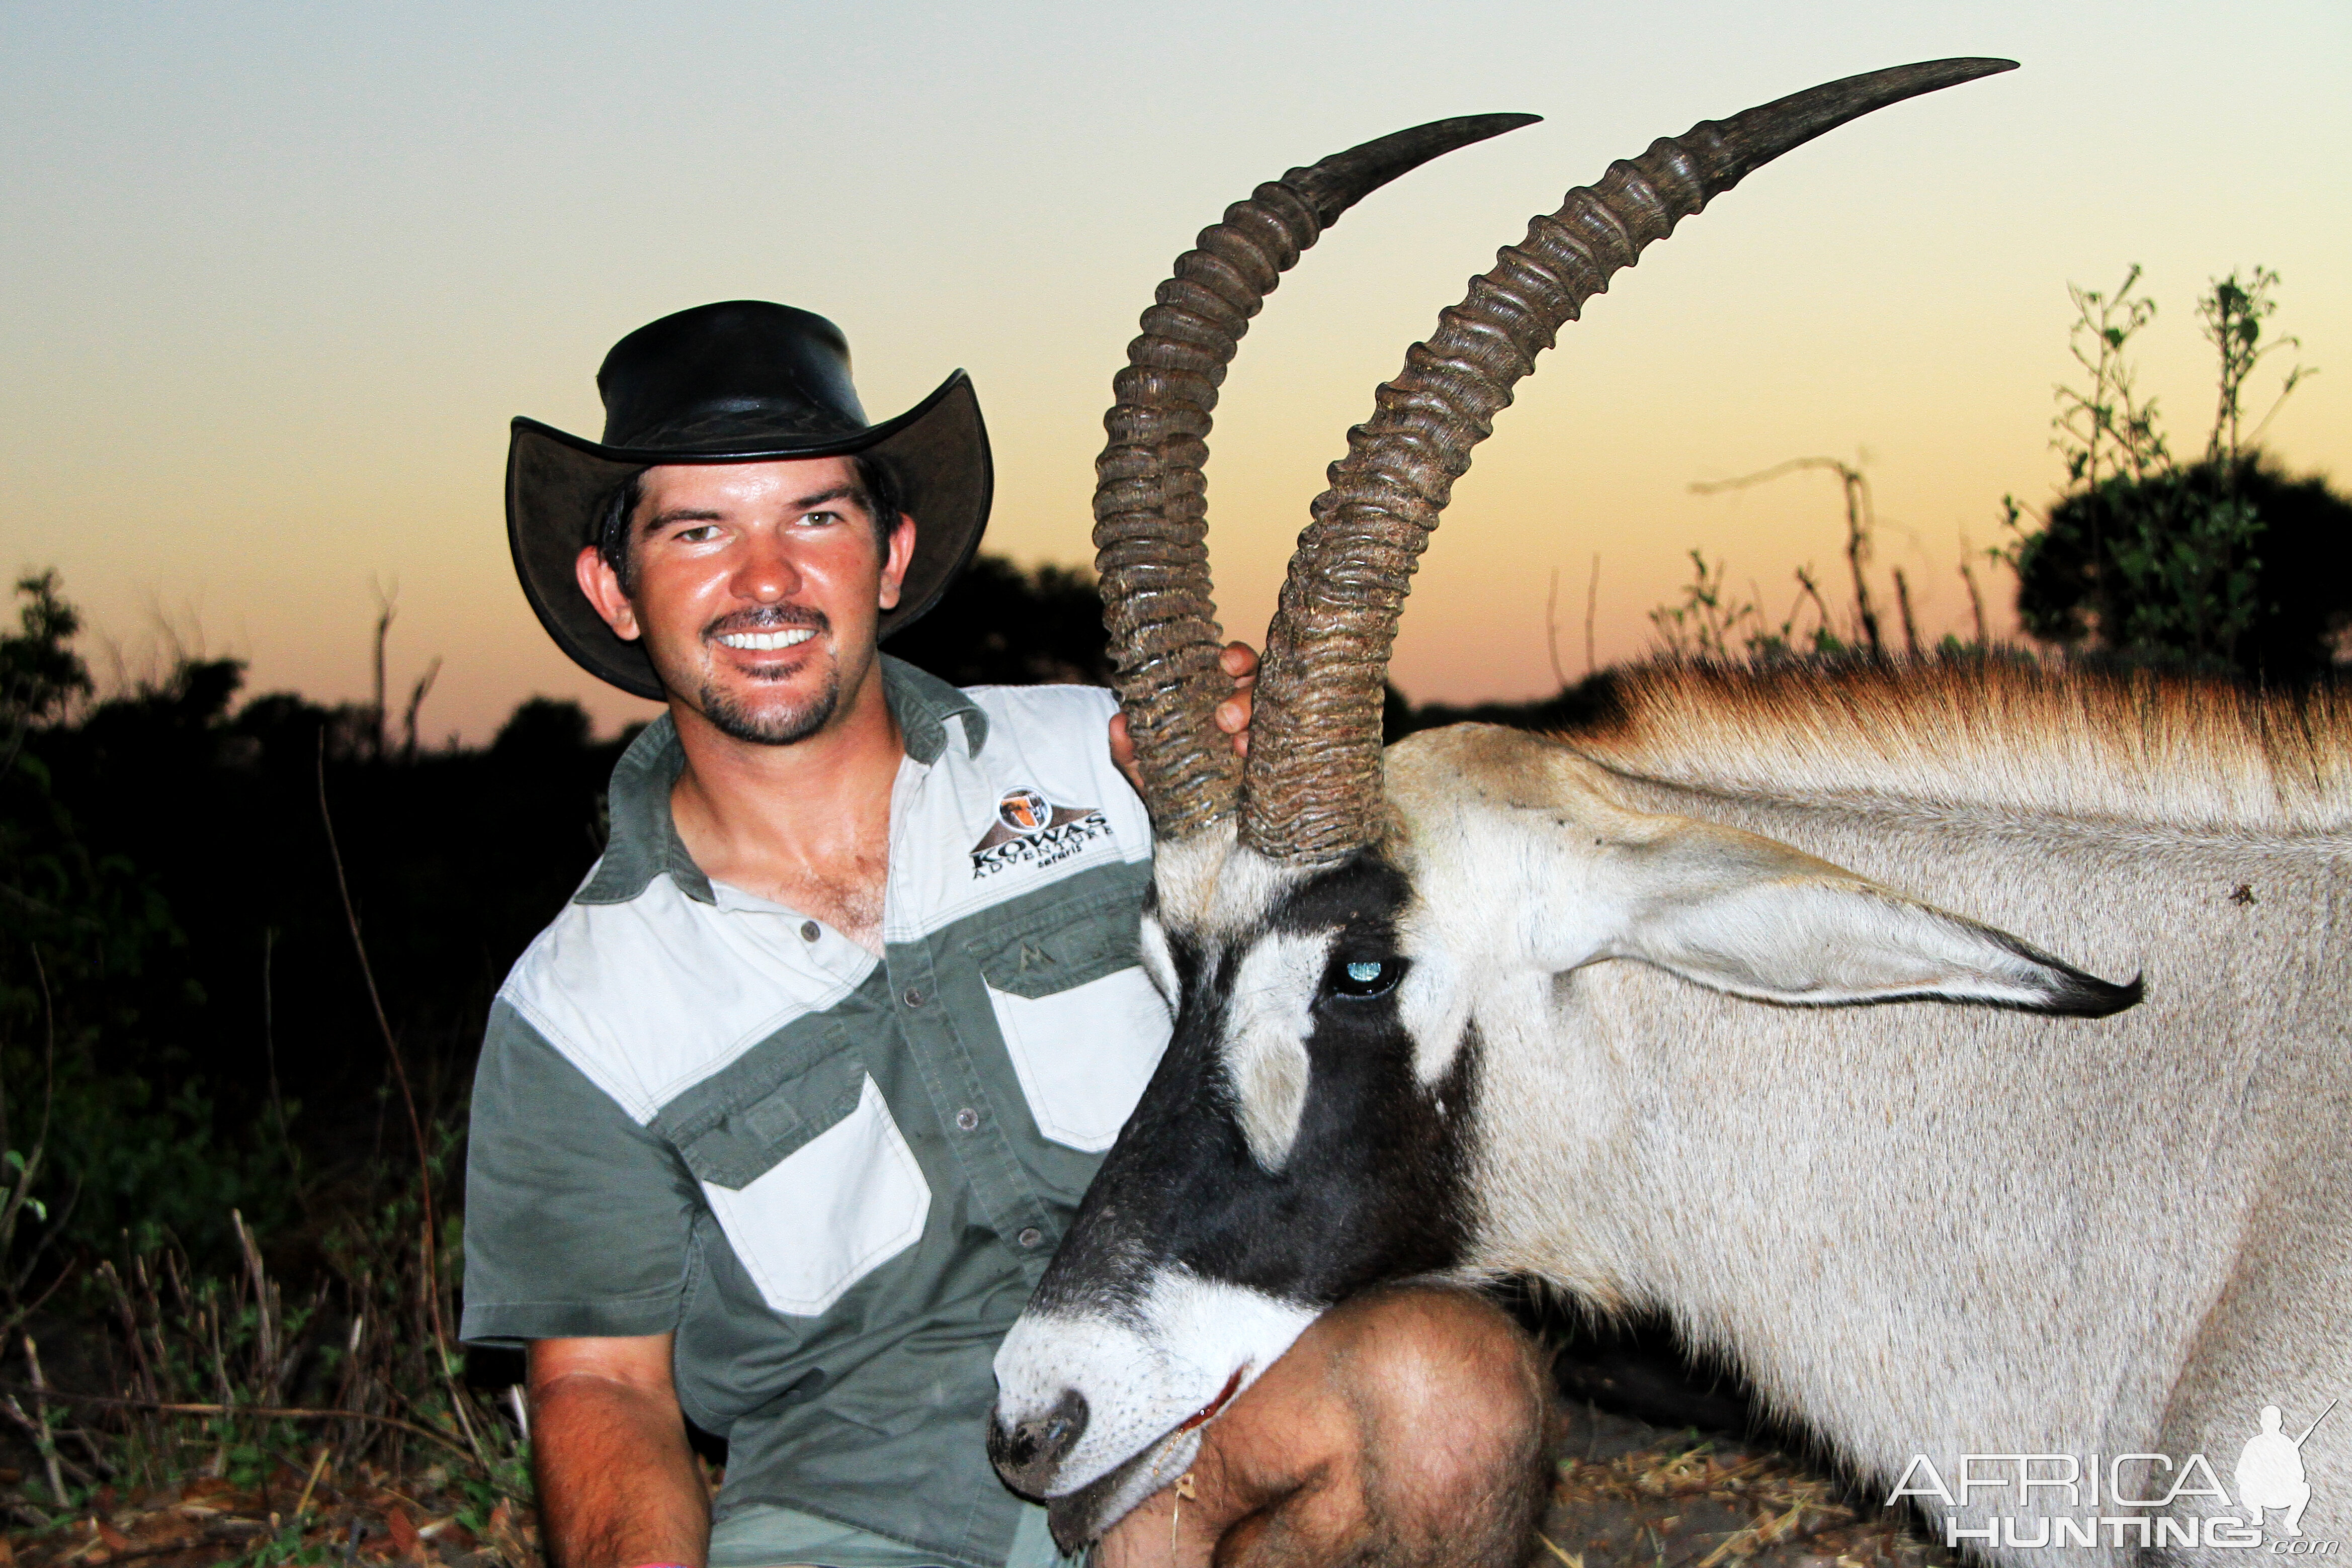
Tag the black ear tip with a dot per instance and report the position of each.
(2089, 996)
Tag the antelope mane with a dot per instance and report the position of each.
(1993, 740)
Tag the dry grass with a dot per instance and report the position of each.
(211, 1419)
(318, 1517)
(1670, 1503)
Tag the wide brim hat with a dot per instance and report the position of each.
(743, 382)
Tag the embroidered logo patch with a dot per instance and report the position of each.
(1025, 811)
(1030, 829)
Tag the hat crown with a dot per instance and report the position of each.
(719, 376)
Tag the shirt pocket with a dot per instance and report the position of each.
(1081, 1021)
(811, 1181)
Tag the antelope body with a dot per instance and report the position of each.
(1676, 1013)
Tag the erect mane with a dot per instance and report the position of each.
(2003, 736)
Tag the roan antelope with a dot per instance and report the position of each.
(1607, 1011)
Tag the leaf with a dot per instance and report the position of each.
(405, 1538)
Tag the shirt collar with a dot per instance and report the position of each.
(644, 842)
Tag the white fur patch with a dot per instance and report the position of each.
(1266, 1025)
(1212, 886)
(1160, 960)
(1144, 1372)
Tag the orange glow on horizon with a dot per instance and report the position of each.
(278, 302)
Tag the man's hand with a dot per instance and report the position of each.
(617, 1485)
(1238, 660)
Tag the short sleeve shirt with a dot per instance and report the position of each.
(835, 1177)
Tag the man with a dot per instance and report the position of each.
(778, 1123)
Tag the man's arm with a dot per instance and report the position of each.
(618, 1484)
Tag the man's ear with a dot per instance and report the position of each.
(896, 559)
(1756, 918)
(602, 584)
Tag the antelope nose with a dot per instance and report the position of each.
(1028, 1453)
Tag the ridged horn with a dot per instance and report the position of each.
(1313, 779)
(1151, 498)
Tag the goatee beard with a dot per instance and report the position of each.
(767, 726)
(770, 726)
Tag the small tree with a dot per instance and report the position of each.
(2225, 563)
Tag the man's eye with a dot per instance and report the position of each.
(697, 534)
(1366, 978)
(819, 519)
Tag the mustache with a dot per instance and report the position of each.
(769, 618)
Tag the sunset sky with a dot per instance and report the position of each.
(278, 276)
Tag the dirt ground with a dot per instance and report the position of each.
(1658, 1466)
(316, 1520)
(1630, 1495)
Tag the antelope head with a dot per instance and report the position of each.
(1311, 1129)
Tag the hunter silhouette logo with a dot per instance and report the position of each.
(1030, 829)
(2270, 1471)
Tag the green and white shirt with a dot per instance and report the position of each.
(835, 1177)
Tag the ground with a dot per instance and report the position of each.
(294, 1518)
(1628, 1495)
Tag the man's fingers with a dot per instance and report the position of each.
(1122, 751)
(1239, 661)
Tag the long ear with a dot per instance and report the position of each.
(1744, 915)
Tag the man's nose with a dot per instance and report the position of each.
(766, 573)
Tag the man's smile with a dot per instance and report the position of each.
(765, 641)
(770, 629)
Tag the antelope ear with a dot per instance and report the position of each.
(1756, 918)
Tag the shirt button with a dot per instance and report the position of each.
(914, 998)
(1032, 1237)
(809, 932)
(967, 1118)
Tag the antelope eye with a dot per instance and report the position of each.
(1366, 978)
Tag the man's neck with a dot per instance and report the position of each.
(806, 825)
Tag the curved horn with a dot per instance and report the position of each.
(1314, 772)
(1150, 500)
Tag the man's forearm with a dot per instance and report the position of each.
(618, 1484)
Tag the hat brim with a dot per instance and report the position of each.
(557, 485)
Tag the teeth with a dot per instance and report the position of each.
(767, 641)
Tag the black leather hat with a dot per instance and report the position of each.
(745, 381)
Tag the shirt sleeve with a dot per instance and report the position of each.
(576, 1218)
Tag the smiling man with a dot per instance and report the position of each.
(777, 1124)
(779, 1121)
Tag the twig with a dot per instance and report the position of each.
(417, 701)
(1976, 600)
(264, 1411)
(42, 1444)
(1813, 591)
(1903, 602)
(1551, 629)
(415, 1126)
(317, 1466)
(42, 1438)
(387, 606)
(219, 1535)
(1591, 603)
(1860, 520)
(1576, 1561)
(265, 1320)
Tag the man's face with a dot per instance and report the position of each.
(756, 588)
